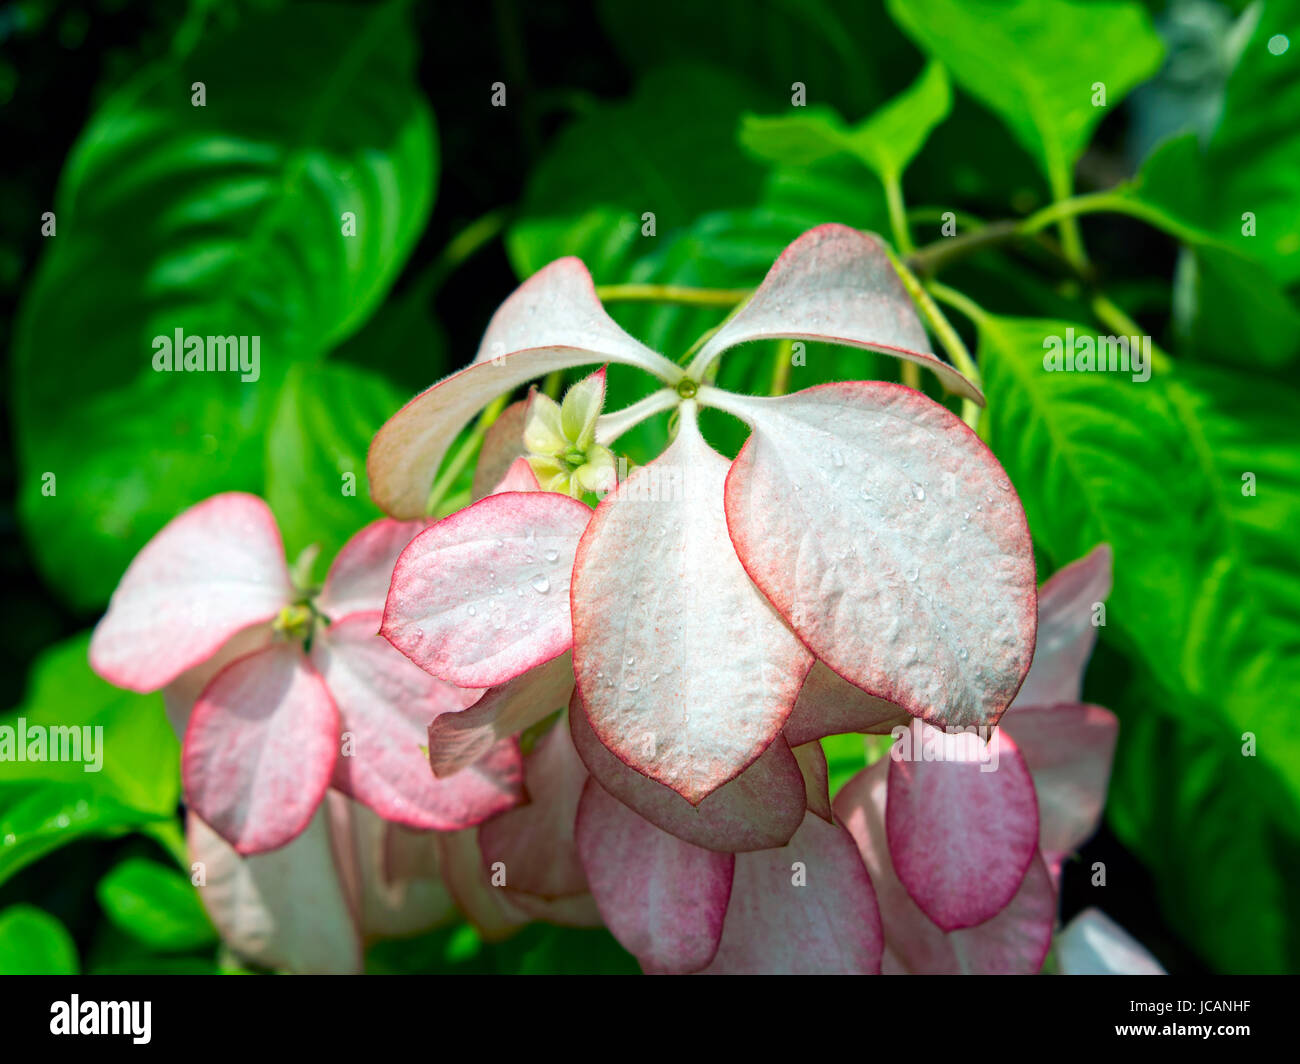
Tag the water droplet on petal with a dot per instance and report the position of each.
(541, 583)
(918, 492)
(963, 653)
(911, 575)
(551, 555)
(473, 612)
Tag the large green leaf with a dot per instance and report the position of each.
(1227, 307)
(846, 53)
(45, 804)
(156, 905)
(1199, 814)
(1035, 63)
(32, 942)
(669, 150)
(219, 220)
(1252, 162)
(886, 141)
(1206, 588)
(316, 453)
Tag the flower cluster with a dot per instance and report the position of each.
(863, 565)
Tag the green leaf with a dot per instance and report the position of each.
(1251, 165)
(1206, 592)
(668, 150)
(1206, 599)
(138, 756)
(38, 818)
(47, 804)
(1183, 796)
(1037, 63)
(32, 942)
(1227, 307)
(219, 220)
(156, 905)
(845, 52)
(886, 142)
(316, 453)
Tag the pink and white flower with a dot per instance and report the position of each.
(864, 537)
(282, 693)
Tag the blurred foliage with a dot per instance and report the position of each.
(661, 145)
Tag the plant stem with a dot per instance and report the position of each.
(931, 258)
(466, 453)
(1061, 182)
(1112, 315)
(671, 293)
(952, 341)
(948, 337)
(897, 213)
(781, 367)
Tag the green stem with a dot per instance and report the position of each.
(466, 453)
(1112, 315)
(1061, 183)
(552, 383)
(897, 213)
(781, 363)
(951, 339)
(671, 293)
(1115, 201)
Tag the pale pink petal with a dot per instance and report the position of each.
(385, 705)
(180, 695)
(1068, 749)
(260, 749)
(575, 910)
(759, 809)
(804, 908)
(410, 854)
(286, 909)
(1067, 629)
(834, 284)
(457, 740)
(480, 902)
(889, 537)
(361, 572)
(686, 671)
(534, 843)
(213, 570)
(1093, 944)
(962, 822)
(503, 446)
(387, 906)
(552, 321)
(662, 898)
(829, 705)
(483, 595)
(519, 477)
(1015, 941)
(816, 778)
